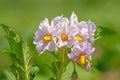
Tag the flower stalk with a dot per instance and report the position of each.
(62, 66)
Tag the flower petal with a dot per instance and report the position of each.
(44, 23)
(52, 45)
(73, 19)
(41, 47)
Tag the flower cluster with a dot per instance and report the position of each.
(79, 36)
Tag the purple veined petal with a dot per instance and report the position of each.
(80, 47)
(41, 47)
(39, 35)
(74, 30)
(89, 47)
(60, 27)
(64, 31)
(85, 37)
(61, 43)
(84, 31)
(84, 47)
(92, 27)
(59, 21)
(56, 20)
(52, 45)
(83, 24)
(56, 31)
(44, 23)
(73, 19)
(70, 42)
(37, 40)
(76, 50)
(70, 55)
(73, 57)
(89, 51)
(91, 40)
(65, 21)
(79, 26)
(41, 32)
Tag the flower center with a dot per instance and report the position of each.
(47, 38)
(64, 37)
(79, 38)
(82, 59)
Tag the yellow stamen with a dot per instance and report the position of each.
(47, 38)
(64, 37)
(82, 59)
(79, 38)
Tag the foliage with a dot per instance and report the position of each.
(20, 56)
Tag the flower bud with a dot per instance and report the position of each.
(87, 67)
(74, 75)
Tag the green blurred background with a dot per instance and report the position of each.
(25, 15)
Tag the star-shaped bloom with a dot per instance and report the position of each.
(86, 31)
(44, 37)
(65, 37)
(81, 52)
(83, 31)
(63, 31)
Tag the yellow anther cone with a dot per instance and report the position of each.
(82, 59)
(64, 37)
(79, 38)
(47, 38)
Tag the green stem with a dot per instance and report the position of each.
(26, 74)
(25, 68)
(74, 66)
(59, 73)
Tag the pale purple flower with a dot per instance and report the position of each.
(58, 23)
(82, 31)
(92, 29)
(63, 31)
(44, 37)
(65, 37)
(83, 50)
(86, 31)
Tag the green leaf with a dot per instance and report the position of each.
(52, 78)
(106, 31)
(33, 71)
(19, 54)
(11, 36)
(9, 75)
(98, 33)
(55, 54)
